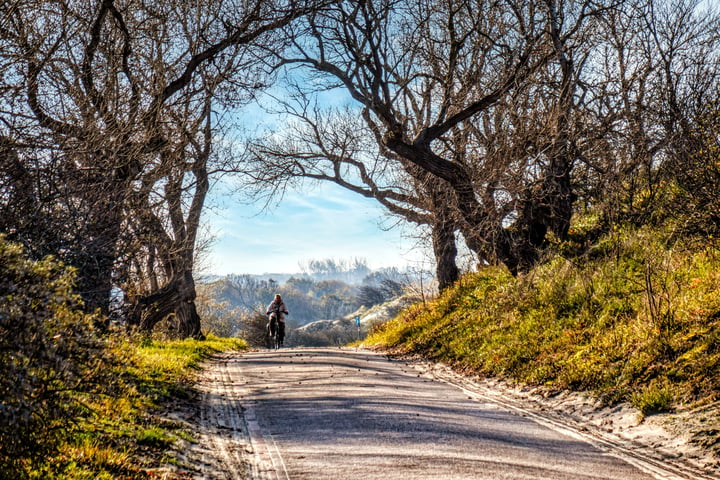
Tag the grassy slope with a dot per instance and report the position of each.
(123, 437)
(636, 317)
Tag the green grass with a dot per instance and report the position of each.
(123, 436)
(636, 317)
(653, 398)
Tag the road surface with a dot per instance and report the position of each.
(306, 414)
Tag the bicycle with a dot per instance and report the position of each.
(276, 327)
(274, 333)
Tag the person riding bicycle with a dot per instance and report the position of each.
(277, 310)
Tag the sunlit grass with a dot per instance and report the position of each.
(122, 437)
(636, 318)
(178, 357)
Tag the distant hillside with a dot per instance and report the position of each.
(306, 299)
(345, 330)
(228, 304)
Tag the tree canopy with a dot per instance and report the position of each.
(485, 131)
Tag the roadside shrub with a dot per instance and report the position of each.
(255, 329)
(48, 349)
(654, 398)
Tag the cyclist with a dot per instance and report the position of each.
(277, 310)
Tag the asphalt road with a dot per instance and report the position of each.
(347, 414)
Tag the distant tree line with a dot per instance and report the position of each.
(230, 303)
(349, 271)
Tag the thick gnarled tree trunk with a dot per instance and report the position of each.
(176, 298)
(173, 249)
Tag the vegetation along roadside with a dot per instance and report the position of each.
(633, 318)
(80, 401)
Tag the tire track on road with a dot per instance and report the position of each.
(231, 445)
(235, 445)
(352, 414)
(657, 465)
(223, 441)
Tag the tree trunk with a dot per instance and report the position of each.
(175, 253)
(97, 242)
(443, 235)
(557, 195)
(177, 297)
(188, 320)
(95, 263)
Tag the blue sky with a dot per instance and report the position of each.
(324, 222)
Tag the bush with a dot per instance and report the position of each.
(255, 329)
(655, 398)
(48, 349)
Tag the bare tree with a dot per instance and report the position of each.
(101, 88)
(653, 78)
(336, 147)
(425, 76)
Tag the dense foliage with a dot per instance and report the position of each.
(49, 352)
(74, 404)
